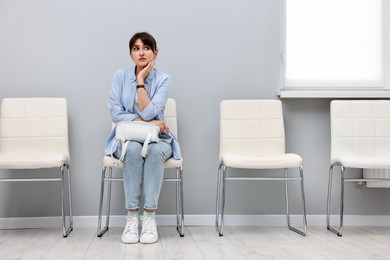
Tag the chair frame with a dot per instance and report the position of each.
(65, 230)
(109, 179)
(343, 180)
(221, 190)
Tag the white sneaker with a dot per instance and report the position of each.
(149, 233)
(130, 233)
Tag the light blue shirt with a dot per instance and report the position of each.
(121, 102)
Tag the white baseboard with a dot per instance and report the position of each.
(200, 220)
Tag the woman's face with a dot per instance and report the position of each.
(142, 54)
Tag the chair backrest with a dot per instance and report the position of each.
(171, 116)
(252, 127)
(359, 128)
(33, 126)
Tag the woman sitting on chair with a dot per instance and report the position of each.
(139, 93)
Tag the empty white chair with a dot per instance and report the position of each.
(252, 137)
(171, 163)
(360, 138)
(34, 135)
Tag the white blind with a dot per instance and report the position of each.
(333, 44)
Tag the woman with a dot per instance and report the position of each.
(139, 93)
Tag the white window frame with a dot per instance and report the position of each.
(326, 92)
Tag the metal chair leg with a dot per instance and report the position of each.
(179, 202)
(218, 198)
(303, 233)
(303, 201)
(220, 203)
(100, 231)
(329, 227)
(342, 202)
(70, 198)
(286, 198)
(65, 230)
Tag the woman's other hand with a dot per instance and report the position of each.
(163, 126)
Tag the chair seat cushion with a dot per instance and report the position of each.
(368, 162)
(289, 160)
(170, 163)
(33, 162)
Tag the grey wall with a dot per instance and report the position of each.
(214, 50)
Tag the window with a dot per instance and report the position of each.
(333, 48)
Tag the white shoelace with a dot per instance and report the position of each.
(131, 225)
(147, 226)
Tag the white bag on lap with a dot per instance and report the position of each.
(139, 131)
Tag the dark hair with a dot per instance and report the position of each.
(146, 38)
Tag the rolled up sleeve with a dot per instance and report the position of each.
(158, 101)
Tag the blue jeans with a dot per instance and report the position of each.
(149, 169)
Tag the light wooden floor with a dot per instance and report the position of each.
(200, 243)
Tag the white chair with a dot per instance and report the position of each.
(34, 135)
(360, 138)
(171, 119)
(252, 137)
